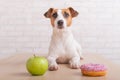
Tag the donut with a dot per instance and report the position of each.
(91, 69)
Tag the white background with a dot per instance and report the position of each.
(24, 29)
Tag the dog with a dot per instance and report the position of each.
(63, 47)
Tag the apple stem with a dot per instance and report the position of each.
(34, 55)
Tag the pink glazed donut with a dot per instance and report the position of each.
(93, 69)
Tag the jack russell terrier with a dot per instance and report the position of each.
(63, 47)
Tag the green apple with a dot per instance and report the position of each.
(37, 65)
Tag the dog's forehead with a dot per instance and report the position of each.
(61, 10)
(65, 10)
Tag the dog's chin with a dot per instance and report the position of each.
(60, 27)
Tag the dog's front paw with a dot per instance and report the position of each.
(53, 67)
(75, 64)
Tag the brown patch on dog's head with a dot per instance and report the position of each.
(68, 14)
(53, 16)
(51, 13)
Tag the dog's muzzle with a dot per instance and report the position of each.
(60, 24)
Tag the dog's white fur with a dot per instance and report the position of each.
(63, 47)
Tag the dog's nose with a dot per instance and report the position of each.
(60, 22)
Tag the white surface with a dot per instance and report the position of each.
(24, 29)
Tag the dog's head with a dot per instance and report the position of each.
(61, 18)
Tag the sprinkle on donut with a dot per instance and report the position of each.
(93, 67)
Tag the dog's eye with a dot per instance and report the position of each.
(54, 15)
(66, 15)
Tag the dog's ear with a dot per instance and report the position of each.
(48, 13)
(73, 12)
